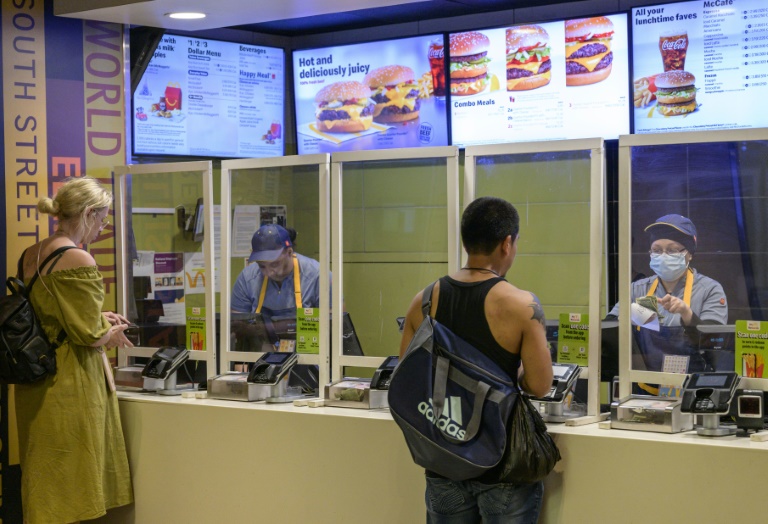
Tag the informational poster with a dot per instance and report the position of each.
(751, 348)
(169, 286)
(246, 219)
(196, 328)
(308, 330)
(195, 275)
(203, 97)
(573, 339)
(700, 65)
(548, 81)
(376, 95)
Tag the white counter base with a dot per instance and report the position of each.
(201, 461)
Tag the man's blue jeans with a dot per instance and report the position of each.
(470, 502)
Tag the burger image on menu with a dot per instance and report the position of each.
(588, 56)
(395, 92)
(528, 63)
(469, 63)
(344, 107)
(675, 93)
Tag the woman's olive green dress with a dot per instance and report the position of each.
(72, 452)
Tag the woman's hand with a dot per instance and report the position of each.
(114, 337)
(115, 319)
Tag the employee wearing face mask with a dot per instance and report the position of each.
(685, 296)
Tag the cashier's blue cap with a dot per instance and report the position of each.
(674, 227)
(268, 243)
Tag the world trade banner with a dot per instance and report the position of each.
(63, 103)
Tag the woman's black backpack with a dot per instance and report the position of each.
(26, 354)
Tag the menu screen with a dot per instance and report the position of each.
(376, 95)
(700, 65)
(556, 80)
(210, 98)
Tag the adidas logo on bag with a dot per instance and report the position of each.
(450, 420)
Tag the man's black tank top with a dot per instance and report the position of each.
(461, 308)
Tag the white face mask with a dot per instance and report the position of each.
(669, 267)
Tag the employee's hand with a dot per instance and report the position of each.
(676, 305)
(115, 318)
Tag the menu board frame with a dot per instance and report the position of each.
(436, 132)
(145, 108)
(719, 43)
(619, 79)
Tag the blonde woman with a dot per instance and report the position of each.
(72, 453)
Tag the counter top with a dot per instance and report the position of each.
(589, 430)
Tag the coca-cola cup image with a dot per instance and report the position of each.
(673, 45)
(437, 66)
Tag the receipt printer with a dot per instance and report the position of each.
(383, 374)
(272, 367)
(705, 393)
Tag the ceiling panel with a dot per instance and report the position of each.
(280, 17)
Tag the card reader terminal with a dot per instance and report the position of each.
(564, 375)
(383, 374)
(709, 392)
(709, 395)
(272, 367)
(165, 361)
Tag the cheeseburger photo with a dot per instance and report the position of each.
(588, 56)
(344, 107)
(395, 92)
(528, 64)
(675, 93)
(469, 63)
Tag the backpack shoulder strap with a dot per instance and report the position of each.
(20, 268)
(57, 252)
(426, 298)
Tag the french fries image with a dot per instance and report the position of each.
(425, 85)
(645, 91)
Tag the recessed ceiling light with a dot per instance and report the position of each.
(186, 16)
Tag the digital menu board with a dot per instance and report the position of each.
(210, 98)
(700, 65)
(555, 80)
(374, 95)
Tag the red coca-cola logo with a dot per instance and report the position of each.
(680, 43)
(435, 52)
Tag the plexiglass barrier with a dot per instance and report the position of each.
(703, 277)
(164, 217)
(277, 276)
(395, 230)
(557, 188)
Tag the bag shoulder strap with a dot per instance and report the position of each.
(26, 290)
(20, 266)
(426, 298)
(47, 259)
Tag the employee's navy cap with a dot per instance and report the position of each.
(674, 227)
(268, 243)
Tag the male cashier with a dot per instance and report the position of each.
(278, 279)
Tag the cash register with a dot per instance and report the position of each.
(265, 381)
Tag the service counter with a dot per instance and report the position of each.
(201, 460)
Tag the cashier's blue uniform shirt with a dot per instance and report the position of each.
(707, 299)
(245, 294)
